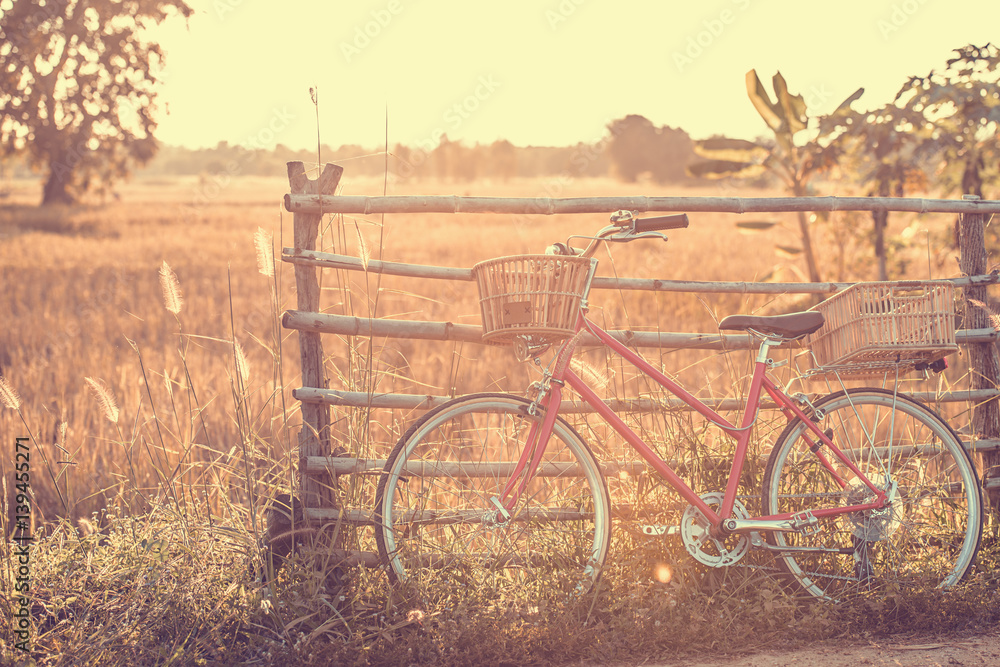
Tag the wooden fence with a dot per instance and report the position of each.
(310, 199)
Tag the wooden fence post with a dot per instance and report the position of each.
(314, 438)
(983, 359)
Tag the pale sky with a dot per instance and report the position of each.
(549, 72)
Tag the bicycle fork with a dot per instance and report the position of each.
(543, 411)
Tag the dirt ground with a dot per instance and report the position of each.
(981, 649)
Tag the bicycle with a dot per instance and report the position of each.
(864, 489)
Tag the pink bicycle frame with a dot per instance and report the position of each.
(540, 431)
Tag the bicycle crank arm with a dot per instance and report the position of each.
(661, 530)
(803, 522)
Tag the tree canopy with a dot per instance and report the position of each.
(638, 146)
(955, 112)
(77, 88)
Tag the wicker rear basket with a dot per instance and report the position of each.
(872, 327)
(532, 295)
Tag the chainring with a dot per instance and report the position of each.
(701, 545)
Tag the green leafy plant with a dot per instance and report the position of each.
(795, 157)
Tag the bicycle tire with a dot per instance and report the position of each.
(441, 528)
(930, 534)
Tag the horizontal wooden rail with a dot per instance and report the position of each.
(446, 516)
(360, 399)
(318, 204)
(346, 325)
(344, 262)
(473, 333)
(342, 465)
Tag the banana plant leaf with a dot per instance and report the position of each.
(794, 106)
(725, 169)
(787, 250)
(756, 225)
(732, 150)
(762, 101)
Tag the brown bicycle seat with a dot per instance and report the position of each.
(792, 325)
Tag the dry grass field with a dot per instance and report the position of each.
(155, 439)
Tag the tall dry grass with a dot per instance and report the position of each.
(145, 361)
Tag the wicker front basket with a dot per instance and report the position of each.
(873, 327)
(532, 295)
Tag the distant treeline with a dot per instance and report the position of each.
(632, 148)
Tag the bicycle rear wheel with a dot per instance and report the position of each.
(927, 537)
(437, 522)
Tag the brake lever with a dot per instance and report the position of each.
(620, 236)
(647, 235)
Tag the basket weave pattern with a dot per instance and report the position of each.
(881, 323)
(531, 295)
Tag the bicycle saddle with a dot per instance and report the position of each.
(792, 325)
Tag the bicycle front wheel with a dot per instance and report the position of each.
(437, 516)
(928, 535)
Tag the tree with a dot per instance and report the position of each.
(878, 148)
(503, 160)
(956, 112)
(77, 81)
(638, 146)
(632, 137)
(794, 157)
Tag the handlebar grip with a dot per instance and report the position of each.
(679, 221)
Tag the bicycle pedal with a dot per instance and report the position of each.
(661, 530)
(806, 523)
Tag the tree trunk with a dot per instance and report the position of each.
(983, 357)
(881, 219)
(972, 176)
(807, 247)
(56, 190)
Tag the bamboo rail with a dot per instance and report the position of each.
(342, 465)
(344, 262)
(320, 204)
(360, 399)
(347, 325)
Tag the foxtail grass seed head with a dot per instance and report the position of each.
(589, 374)
(265, 252)
(363, 250)
(242, 365)
(104, 398)
(8, 396)
(172, 297)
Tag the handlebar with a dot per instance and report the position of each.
(625, 227)
(679, 221)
